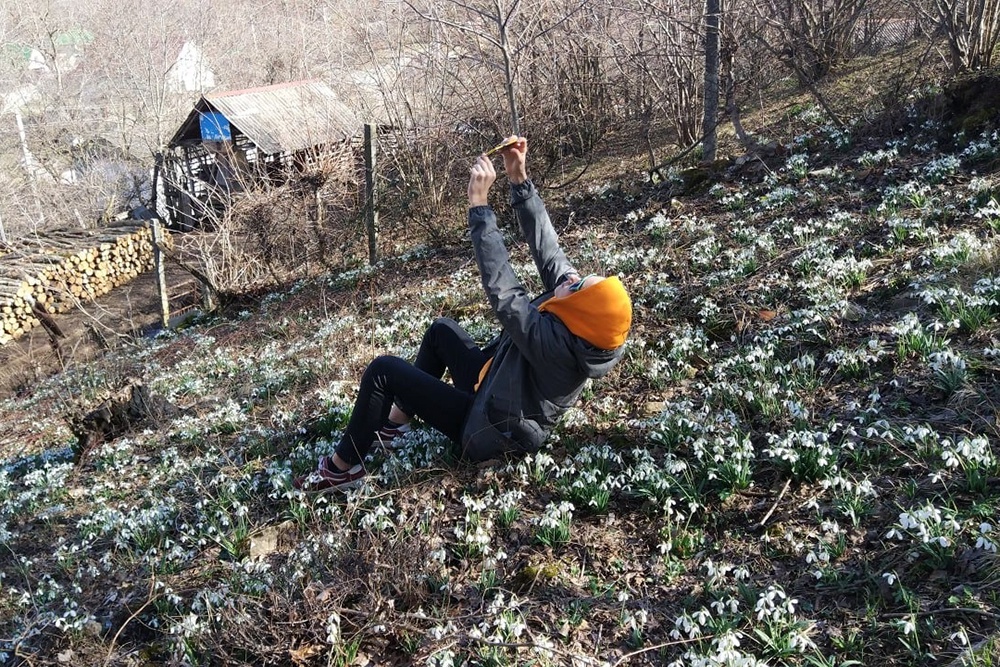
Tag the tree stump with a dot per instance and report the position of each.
(131, 407)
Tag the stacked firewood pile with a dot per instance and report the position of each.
(54, 270)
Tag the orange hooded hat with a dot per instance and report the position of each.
(601, 314)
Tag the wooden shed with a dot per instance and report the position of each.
(233, 141)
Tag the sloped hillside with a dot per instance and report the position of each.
(796, 462)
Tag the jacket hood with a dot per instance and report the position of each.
(600, 314)
(593, 361)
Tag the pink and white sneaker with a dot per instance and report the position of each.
(387, 437)
(328, 478)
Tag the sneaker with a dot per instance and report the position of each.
(387, 435)
(327, 478)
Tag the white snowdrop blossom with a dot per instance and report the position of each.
(333, 629)
(985, 540)
(926, 525)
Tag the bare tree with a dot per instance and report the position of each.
(713, 9)
(662, 59)
(811, 36)
(505, 29)
(407, 78)
(971, 28)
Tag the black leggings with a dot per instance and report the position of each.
(417, 389)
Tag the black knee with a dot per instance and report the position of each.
(438, 326)
(381, 366)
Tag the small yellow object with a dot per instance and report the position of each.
(506, 143)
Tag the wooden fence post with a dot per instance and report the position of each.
(161, 278)
(371, 206)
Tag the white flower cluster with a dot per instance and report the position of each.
(502, 621)
(591, 475)
(881, 157)
(533, 468)
(905, 229)
(807, 454)
(815, 229)
(623, 261)
(797, 165)
(416, 450)
(853, 362)
(475, 532)
(939, 169)
(555, 515)
(957, 250)
(651, 359)
(926, 525)
(829, 543)
(657, 293)
(986, 540)
(968, 453)
(660, 225)
(704, 252)
(914, 338)
(985, 146)
(381, 518)
(916, 194)
(722, 626)
(778, 197)
(946, 361)
(734, 201)
(658, 480)
(774, 604)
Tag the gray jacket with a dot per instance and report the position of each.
(539, 367)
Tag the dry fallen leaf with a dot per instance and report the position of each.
(300, 656)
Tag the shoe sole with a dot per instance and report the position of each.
(339, 488)
(389, 443)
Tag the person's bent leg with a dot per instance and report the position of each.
(445, 346)
(389, 379)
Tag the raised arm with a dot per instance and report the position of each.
(508, 298)
(536, 227)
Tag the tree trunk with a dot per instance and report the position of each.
(710, 119)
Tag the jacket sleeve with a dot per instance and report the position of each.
(538, 232)
(532, 332)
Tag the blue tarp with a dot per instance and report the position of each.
(215, 127)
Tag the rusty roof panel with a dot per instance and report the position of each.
(283, 118)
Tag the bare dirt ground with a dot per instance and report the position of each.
(125, 313)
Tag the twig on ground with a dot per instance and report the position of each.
(151, 599)
(676, 642)
(946, 610)
(777, 500)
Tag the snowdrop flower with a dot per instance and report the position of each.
(984, 541)
(333, 629)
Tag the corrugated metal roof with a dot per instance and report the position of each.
(282, 118)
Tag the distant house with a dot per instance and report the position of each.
(233, 140)
(189, 73)
(62, 52)
(36, 61)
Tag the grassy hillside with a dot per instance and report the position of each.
(796, 462)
